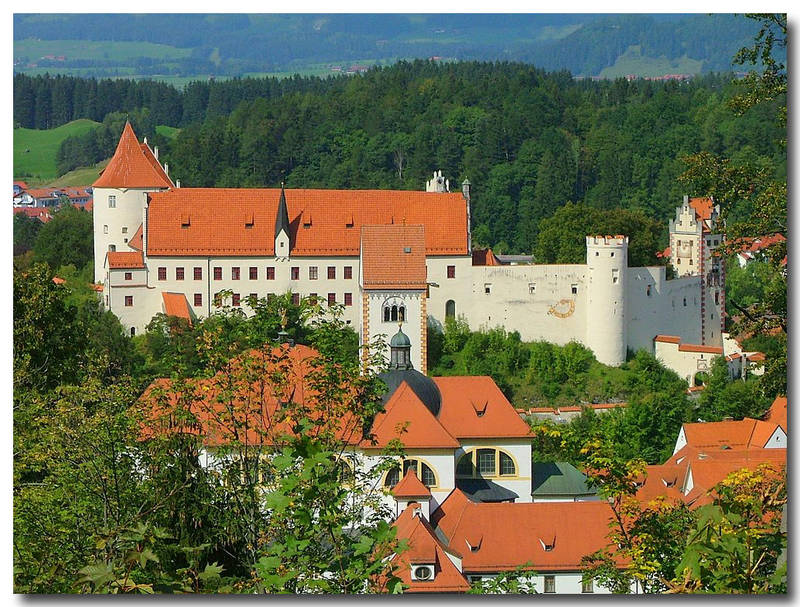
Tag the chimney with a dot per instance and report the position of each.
(166, 169)
(465, 187)
(155, 152)
(178, 183)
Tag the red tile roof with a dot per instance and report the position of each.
(39, 213)
(250, 411)
(777, 413)
(132, 166)
(136, 241)
(175, 304)
(58, 281)
(741, 434)
(474, 407)
(407, 419)
(424, 548)
(117, 260)
(189, 221)
(703, 207)
(410, 486)
(699, 348)
(543, 536)
(393, 257)
(670, 339)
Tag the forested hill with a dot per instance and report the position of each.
(191, 45)
(528, 140)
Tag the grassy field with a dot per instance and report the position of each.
(87, 49)
(79, 177)
(35, 151)
(167, 131)
(632, 62)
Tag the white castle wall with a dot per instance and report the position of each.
(536, 300)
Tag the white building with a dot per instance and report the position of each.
(389, 257)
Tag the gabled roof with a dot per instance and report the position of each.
(664, 480)
(474, 407)
(393, 257)
(542, 536)
(407, 419)
(777, 413)
(741, 434)
(127, 260)
(424, 548)
(322, 222)
(175, 304)
(410, 486)
(132, 166)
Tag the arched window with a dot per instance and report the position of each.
(423, 471)
(394, 310)
(133, 331)
(450, 309)
(486, 463)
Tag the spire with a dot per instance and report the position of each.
(132, 166)
(282, 219)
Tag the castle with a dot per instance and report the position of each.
(389, 257)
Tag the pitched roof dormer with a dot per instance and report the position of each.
(282, 227)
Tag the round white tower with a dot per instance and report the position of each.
(606, 322)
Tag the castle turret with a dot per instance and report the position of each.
(120, 196)
(282, 242)
(606, 322)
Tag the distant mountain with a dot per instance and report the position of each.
(237, 44)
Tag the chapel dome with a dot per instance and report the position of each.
(424, 387)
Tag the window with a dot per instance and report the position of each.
(451, 271)
(531, 288)
(684, 302)
(486, 461)
(129, 301)
(331, 272)
(162, 273)
(649, 293)
(679, 261)
(124, 230)
(252, 299)
(312, 273)
(506, 465)
(295, 273)
(482, 463)
(550, 584)
(218, 299)
(716, 297)
(423, 471)
(178, 273)
(217, 273)
(331, 298)
(236, 273)
(691, 261)
(348, 299)
(587, 586)
(253, 273)
(612, 253)
(198, 273)
(198, 299)
(574, 289)
(112, 248)
(112, 202)
(133, 331)
(450, 309)
(271, 273)
(296, 299)
(128, 275)
(348, 272)
(615, 276)
(105, 229)
(312, 298)
(394, 310)
(237, 300)
(487, 287)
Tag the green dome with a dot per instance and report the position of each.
(400, 340)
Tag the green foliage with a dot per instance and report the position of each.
(724, 397)
(25, 231)
(736, 545)
(562, 237)
(67, 239)
(517, 581)
(456, 334)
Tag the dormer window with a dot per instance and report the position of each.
(549, 544)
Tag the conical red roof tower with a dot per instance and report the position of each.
(133, 166)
